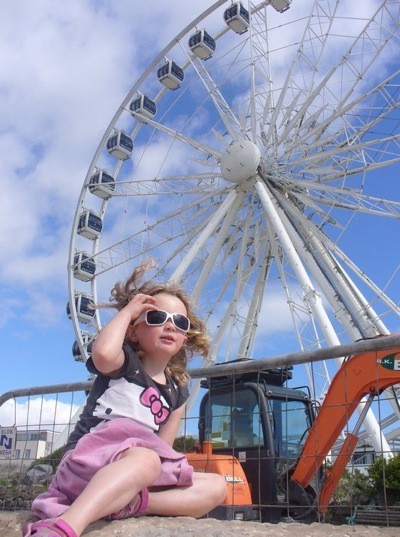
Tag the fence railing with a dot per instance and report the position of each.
(246, 408)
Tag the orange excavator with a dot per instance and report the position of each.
(270, 442)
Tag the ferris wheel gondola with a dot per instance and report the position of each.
(87, 341)
(90, 225)
(102, 184)
(171, 75)
(202, 44)
(237, 18)
(84, 266)
(280, 5)
(83, 305)
(143, 107)
(120, 145)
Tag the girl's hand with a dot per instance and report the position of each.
(138, 305)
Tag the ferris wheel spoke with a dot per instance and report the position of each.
(250, 328)
(206, 233)
(313, 131)
(225, 113)
(216, 249)
(301, 64)
(235, 241)
(343, 105)
(242, 273)
(195, 183)
(305, 126)
(116, 254)
(260, 101)
(379, 294)
(325, 251)
(304, 323)
(190, 236)
(377, 112)
(312, 194)
(126, 250)
(350, 151)
(332, 279)
(209, 151)
(330, 173)
(363, 204)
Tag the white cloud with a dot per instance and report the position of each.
(64, 74)
(37, 412)
(275, 313)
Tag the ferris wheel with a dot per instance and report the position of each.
(245, 160)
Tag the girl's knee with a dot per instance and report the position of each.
(145, 458)
(215, 488)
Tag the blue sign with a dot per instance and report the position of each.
(8, 437)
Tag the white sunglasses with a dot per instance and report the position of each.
(160, 317)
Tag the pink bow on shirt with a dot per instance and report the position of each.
(151, 399)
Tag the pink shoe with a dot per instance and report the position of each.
(133, 509)
(48, 528)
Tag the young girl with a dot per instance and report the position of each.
(119, 461)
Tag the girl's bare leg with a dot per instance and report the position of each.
(113, 487)
(207, 491)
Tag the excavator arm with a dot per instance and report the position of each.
(360, 375)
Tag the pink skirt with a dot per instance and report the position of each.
(100, 447)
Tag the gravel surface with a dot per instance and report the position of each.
(10, 526)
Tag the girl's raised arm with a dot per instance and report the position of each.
(107, 353)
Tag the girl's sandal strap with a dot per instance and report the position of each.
(48, 528)
(135, 508)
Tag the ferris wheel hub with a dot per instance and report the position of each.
(240, 161)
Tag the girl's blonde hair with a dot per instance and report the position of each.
(197, 338)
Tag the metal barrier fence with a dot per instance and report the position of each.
(259, 427)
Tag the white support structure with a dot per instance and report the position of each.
(312, 297)
(204, 235)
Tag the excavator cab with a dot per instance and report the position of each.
(267, 442)
(255, 419)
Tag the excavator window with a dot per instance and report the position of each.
(290, 423)
(233, 420)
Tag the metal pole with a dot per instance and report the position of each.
(295, 358)
(42, 390)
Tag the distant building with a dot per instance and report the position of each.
(32, 444)
(363, 456)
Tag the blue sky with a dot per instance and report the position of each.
(65, 71)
